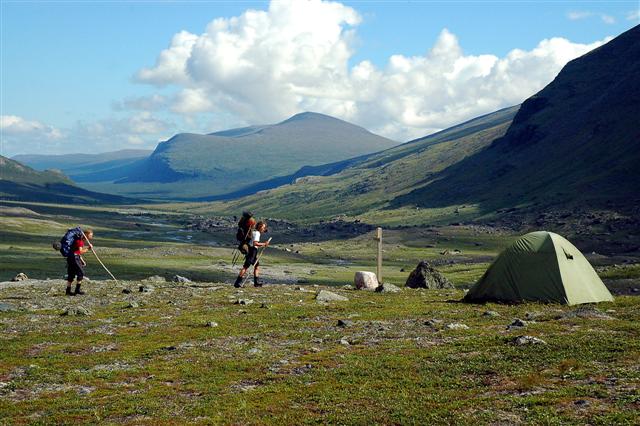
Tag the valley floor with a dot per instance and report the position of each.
(203, 352)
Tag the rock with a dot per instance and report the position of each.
(364, 280)
(180, 279)
(344, 323)
(490, 314)
(388, 288)
(529, 316)
(344, 341)
(75, 311)
(254, 351)
(243, 302)
(327, 296)
(433, 323)
(426, 276)
(146, 289)
(212, 324)
(457, 326)
(517, 323)
(6, 307)
(20, 277)
(126, 291)
(589, 312)
(133, 304)
(265, 306)
(528, 340)
(155, 279)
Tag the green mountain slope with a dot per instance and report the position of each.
(575, 142)
(374, 181)
(22, 183)
(191, 165)
(103, 167)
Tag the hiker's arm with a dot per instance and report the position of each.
(257, 244)
(83, 249)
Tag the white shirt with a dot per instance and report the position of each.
(255, 238)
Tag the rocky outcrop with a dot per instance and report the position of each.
(426, 276)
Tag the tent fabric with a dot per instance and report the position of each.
(540, 266)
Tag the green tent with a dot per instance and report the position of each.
(540, 266)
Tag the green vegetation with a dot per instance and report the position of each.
(283, 358)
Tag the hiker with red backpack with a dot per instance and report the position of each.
(252, 257)
(72, 247)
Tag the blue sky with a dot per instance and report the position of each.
(72, 81)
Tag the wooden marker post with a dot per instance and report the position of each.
(379, 240)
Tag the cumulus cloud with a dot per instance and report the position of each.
(141, 129)
(264, 66)
(12, 125)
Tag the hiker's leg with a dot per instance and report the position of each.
(256, 275)
(71, 274)
(238, 282)
(80, 274)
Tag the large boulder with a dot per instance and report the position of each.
(426, 276)
(365, 280)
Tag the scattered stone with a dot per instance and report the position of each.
(457, 326)
(344, 341)
(264, 306)
(365, 280)
(6, 307)
(490, 314)
(344, 323)
(401, 269)
(75, 311)
(426, 276)
(327, 296)
(243, 302)
(133, 324)
(582, 403)
(20, 277)
(433, 323)
(254, 351)
(126, 290)
(156, 279)
(528, 340)
(146, 289)
(530, 316)
(517, 323)
(133, 304)
(388, 288)
(588, 312)
(169, 348)
(212, 324)
(180, 279)
(85, 390)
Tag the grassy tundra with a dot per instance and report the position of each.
(203, 352)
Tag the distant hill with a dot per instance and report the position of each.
(372, 181)
(103, 167)
(22, 183)
(193, 165)
(576, 141)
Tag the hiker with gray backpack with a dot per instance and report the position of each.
(72, 247)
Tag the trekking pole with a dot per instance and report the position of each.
(257, 261)
(100, 261)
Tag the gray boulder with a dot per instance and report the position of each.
(388, 288)
(327, 296)
(528, 340)
(180, 279)
(426, 276)
(76, 311)
(20, 277)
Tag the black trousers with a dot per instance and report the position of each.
(251, 258)
(74, 267)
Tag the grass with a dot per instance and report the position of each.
(280, 360)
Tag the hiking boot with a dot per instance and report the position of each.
(78, 291)
(238, 282)
(68, 292)
(256, 282)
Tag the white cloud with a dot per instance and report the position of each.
(154, 102)
(264, 66)
(608, 19)
(576, 15)
(140, 129)
(12, 125)
(634, 15)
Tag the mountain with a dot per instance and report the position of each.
(192, 165)
(103, 167)
(372, 181)
(22, 183)
(577, 141)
